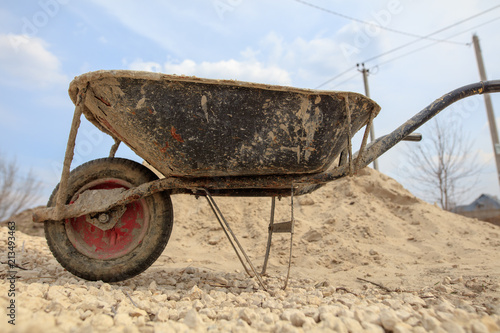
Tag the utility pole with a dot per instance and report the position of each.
(365, 73)
(489, 105)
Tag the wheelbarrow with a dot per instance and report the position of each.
(111, 218)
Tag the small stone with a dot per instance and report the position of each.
(413, 300)
(221, 280)
(36, 289)
(136, 312)
(402, 328)
(173, 314)
(352, 324)
(163, 315)
(173, 295)
(392, 303)
(297, 318)
(478, 327)
(122, 319)
(451, 326)
(332, 322)
(490, 324)
(372, 328)
(192, 319)
(248, 315)
(307, 201)
(197, 304)
(331, 221)
(191, 270)
(389, 319)
(170, 281)
(152, 286)
(403, 315)
(444, 289)
(195, 293)
(269, 319)
(214, 240)
(367, 316)
(312, 236)
(445, 306)
(102, 321)
(461, 315)
(210, 313)
(430, 323)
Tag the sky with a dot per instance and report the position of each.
(44, 44)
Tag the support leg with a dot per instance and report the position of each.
(292, 225)
(231, 236)
(114, 148)
(70, 151)
(269, 237)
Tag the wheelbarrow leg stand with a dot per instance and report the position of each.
(281, 227)
(232, 238)
(273, 228)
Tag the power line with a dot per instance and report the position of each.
(418, 50)
(335, 77)
(346, 80)
(374, 24)
(433, 33)
(432, 44)
(415, 41)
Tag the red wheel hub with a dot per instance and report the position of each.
(124, 237)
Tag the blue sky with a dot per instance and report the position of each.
(46, 43)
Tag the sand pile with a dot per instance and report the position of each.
(366, 255)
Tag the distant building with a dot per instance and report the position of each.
(485, 208)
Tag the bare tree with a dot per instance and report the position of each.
(444, 167)
(16, 192)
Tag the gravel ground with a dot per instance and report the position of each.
(198, 299)
(368, 257)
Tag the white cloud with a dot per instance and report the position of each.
(26, 62)
(249, 70)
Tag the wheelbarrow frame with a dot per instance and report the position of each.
(267, 185)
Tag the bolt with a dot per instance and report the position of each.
(103, 218)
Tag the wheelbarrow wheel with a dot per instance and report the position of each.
(134, 243)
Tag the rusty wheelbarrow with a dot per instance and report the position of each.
(111, 218)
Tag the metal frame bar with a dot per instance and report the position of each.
(227, 230)
(280, 228)
(292, 222)
(70, 151)
(269, 236)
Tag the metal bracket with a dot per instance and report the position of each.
(281, 227)
(106, 220)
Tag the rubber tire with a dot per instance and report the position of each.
(138, 259)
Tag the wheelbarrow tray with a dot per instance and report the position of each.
(193, 127)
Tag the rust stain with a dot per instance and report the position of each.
(164, 149)
(175, 135)
(108, 126)
(104, 101)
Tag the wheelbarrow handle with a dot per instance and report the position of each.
(384, 143)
